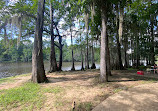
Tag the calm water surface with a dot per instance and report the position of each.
(12, 69)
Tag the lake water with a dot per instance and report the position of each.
(12, 69)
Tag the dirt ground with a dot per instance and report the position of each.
(81, 90)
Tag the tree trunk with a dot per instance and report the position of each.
(82, 67)
(85, 57)
(5, 36)
(108, 57)
(103, 51)
(125, 51)
(137, 51)
(73, 65)
(92, 57)
(61, 53)
(53, 63)
(118, 37)
(38, 72)
(152, 40)
(87, 28)
(121, 10)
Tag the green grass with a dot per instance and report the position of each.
(28, 97)
(12, 79)
(86, 106)
(8, 79)
(55, 90)
(149, 81)
(117, 90)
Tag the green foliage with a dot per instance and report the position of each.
(23, 53)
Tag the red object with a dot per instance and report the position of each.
(140, 72)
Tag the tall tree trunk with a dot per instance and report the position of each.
(53, 63)
(120, 66)
(59, 66)
(85, 57)
(82, 66)
(152, 40)
(103, 50)
(61, 53)
(108, 57)
(38, 72)
(92, 56)
(87, 29)
(137, 51)
(5, 36)
(87, 53)
(118, 37)
(73, 65)
(125, 51)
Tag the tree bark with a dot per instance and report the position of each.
(125, 51)
(152, 40)
(82, 66)
(59, 66)
(108, 57)
(103, 48)
(5, 36)
(38, 72)
(87, 28)
(53, 63)
(73, 65)
(137, 50)
(118, 37)
(92, 56)
(85, 57)
(61, 53)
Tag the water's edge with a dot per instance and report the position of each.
(13, 69)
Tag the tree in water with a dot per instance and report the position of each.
(38, 72)
(92, 55)
(73, 66)
(87, 29)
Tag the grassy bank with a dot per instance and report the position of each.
(66, 90)
(12, 79)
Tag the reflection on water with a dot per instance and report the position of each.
(12, 69)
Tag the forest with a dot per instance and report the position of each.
(110, 45)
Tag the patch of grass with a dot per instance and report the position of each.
(86, 106)
(117, 90)
(54, 90)
(23, 75)
(58, 103)
(8, 79)
(27, 96)
(149, 81)
(12, 79)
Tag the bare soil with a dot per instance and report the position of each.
(81, 90)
